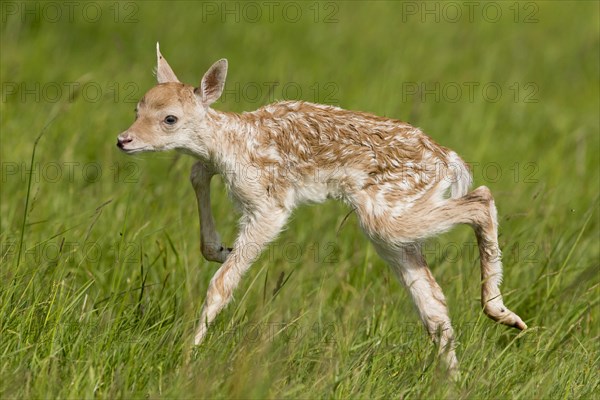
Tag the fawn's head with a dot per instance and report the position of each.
(172, 115)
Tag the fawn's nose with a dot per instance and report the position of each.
(122, 140)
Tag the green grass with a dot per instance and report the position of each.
(101, 274)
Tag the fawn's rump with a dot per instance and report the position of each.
(397, 209)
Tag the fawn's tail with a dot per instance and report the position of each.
(460, 175)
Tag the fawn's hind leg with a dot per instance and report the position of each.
(485, 224)
(477, 209)
(411, 268)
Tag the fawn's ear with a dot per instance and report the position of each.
(213, 82)
(164, 73)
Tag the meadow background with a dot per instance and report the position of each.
(101, 274)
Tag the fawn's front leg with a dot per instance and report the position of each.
(256, 231)
(210, 241)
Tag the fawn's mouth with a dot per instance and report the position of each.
(134, 150)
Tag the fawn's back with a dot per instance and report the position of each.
(297, 151)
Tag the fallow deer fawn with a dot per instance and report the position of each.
(403, 186)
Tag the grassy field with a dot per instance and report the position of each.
(101, 273)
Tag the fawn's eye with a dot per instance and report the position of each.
(170, 119)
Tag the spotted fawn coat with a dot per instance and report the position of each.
(403, 186)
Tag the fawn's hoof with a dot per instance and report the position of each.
(213, 252)
(504, 316)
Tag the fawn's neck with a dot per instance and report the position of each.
(224, 141)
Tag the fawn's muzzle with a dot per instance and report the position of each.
(122, 141)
